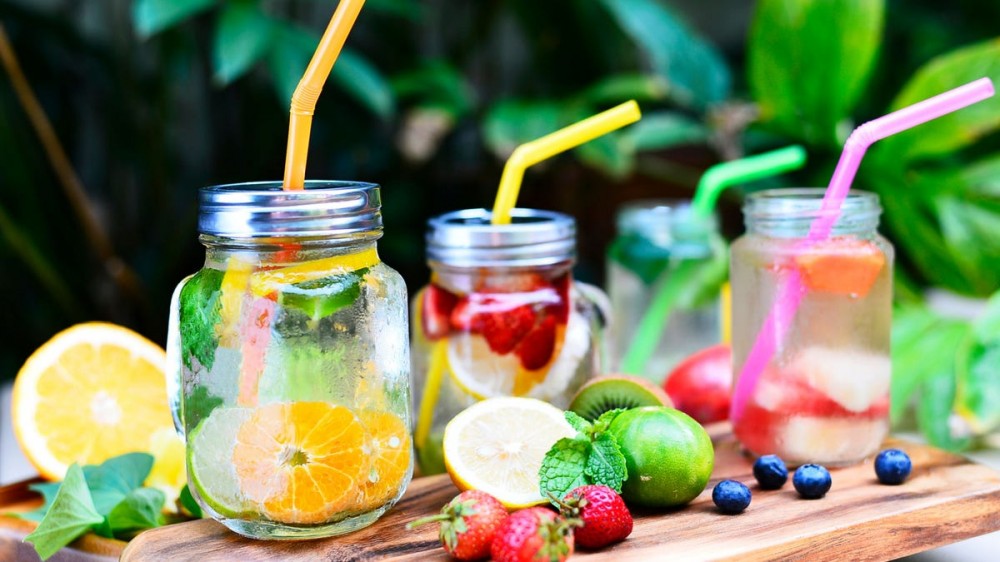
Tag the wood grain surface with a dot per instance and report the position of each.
(947, 498)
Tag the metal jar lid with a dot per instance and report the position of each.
(324, 209)
(534, 238)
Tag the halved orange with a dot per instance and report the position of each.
(387, 445)
(302, 462)
(92, 392)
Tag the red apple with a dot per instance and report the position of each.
(701, 384)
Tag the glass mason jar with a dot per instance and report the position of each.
(501, 316)
(290, 359)
(662, 245)
(824, 395)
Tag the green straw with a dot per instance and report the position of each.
(712, 183)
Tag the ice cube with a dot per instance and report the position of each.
(852, 378)
(830, 440)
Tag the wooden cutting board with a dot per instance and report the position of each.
(947, 498)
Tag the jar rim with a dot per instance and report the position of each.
(263, 209)
(806, 202)
(467, 238)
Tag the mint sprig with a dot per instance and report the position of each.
(591, 457)
(108, 499)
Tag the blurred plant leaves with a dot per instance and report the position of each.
(241, 39)
(365, 83)
(977, 397)
(152, 16)
(660, 130)
(618, 88)
(956, 130)
(696, 73)
(436, 84)
(410, 9)
(809, 61)
(910, 326)
(510, 123)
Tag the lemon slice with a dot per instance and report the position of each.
(92, 392)
(478, 371)
(263, 283)
(497, 446)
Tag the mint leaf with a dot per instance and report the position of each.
(320, 298)
(200, 312)
(199, 403)
(72, 514)
(576, 421)
(48, 490)
(604, 422)
(563, 467)
(189, 503)
(141, 509)
(606, 463)
(113, 480)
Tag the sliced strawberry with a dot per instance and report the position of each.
(841, 265)
(438, 305)
(560, 309)
(755, 430)
(461, 316)
(535, 350)
(505, 329)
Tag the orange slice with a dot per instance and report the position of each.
(845, 266)
(387, 444)
(92, 392)
(301, 462)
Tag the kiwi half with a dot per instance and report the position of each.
(608, 392)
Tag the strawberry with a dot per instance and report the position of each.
(560, 310)
(504, 329)
(436, 312)
(605, 518)
(535, 350)
(533, 534)
(469, 523)
(461, 316)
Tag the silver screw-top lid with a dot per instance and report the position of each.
(324, 209)
(534, 238)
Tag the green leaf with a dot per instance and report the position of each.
(200, 312)
(199, 403)
(436, 84)
(291, 49)
(117, 477)
(935, 407)
(72, 514)
(612, 153)
(153, 16)
(618, 88)
(987, 327)
(241, 39)
(909, 328)
(603, 422)
(189, 503)
(141, 509)
(362, 81)
(410, 9)
(696, 73)
(511, 123)
(958, 129)
(563, 467)
(809, 61)
(577, 422)
(977, 397)
(320, 298)
(606, 463)
(969, 228)
(664, 129)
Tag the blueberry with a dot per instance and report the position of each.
(731, 496)
(892, 466)
(812, 481)
(770, 472)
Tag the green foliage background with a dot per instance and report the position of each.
(155, 98)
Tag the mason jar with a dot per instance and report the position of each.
(663, 249)
(501, 316)
(290, 360)
(823, 395)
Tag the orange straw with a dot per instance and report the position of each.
(307, 92)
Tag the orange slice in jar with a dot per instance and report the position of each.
(387, 445)
(301, 462)
(841, 265)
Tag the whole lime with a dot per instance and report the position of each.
(669, 456)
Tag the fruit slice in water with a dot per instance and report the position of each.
(497, 446)
(387, 444)
(609, 392)
(302, 462)
(841, 265)
(265, 282)
(320, 298)
(92, 392)
(853, 378)
(478, 371)
(436, 305)
(210, 461)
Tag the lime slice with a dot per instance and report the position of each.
(210, 462)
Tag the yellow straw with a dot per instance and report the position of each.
(309, 88)
(560, 141)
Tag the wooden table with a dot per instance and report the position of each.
(947, 498)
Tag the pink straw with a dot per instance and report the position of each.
(789, 294)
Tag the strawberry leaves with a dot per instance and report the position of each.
(593, 456)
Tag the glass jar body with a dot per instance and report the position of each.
(484, 332)
(293, 370)
(824, 395)
(663, 252)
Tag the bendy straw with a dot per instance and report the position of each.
(791, 291)
(533, 152)
(310, 86)
(713, 182)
